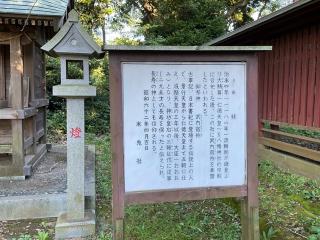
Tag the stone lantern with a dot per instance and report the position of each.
(73, 45)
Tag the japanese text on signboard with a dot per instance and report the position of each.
(184, 125)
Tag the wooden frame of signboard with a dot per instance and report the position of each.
(247, 193)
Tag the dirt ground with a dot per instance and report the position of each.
(49, 177)
(15, 229)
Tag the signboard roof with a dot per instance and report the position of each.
(188, 48)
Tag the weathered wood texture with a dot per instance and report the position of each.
(22, 103)
(293, 164)
(292, 144)
(16, 63)
(5, 132)
(2, 75)
(289, 78)
(185, 195)
(291, 148)
(7, 72)
(39, 73)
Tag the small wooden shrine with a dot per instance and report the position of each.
(24, 27)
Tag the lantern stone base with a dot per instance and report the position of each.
(66, 228)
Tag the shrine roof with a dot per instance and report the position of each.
(56, 8)
(188, 48)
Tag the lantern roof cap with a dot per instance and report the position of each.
(73, 39)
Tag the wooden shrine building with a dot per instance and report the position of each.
(289, 83)
(24, 27)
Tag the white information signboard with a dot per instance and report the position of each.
(184, 125)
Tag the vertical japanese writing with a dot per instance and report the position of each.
(190, 126)
(185, 123)
(226, 124)
(212, 137)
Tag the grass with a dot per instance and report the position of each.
(288, 203)
(211, 219)
(289, 209)
(297, 131)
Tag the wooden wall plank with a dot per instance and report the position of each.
(317, 83)
(39, 73)
(5, 132)
(290, 78)
(18, 146)
(304, 76)
(292, 42)
(28, 72)
(7, 72)
(280, 112)
(297, 86)
(291, 148)
(294, 136)
(311, 78)
(2, 75)
(265, 85)
(275, 91)
(270, 83)
(284, 77)
(16, 64)
(184, 195)
(261, 84)
(17, 103)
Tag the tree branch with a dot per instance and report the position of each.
(235, 7)
(263, 8)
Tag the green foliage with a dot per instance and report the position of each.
(189, 22)
(315, 233)
(283, 201)
(125, 41)
(212, 219)
(241, 12)
(57, 121)
(23, 237)
(93, 13)
(269, 235)
(104, 236)
(313, 195)
(186, 22)
(296, 130)
(180, 22)
(302, 132)
(104, 184)
(97, 108)
(42, 235)
(53, 78)
(74, 69)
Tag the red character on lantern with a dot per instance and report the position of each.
(75, 132)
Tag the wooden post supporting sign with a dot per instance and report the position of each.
(184, 126)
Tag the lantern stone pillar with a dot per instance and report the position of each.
(74, 47)
(75, 156)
